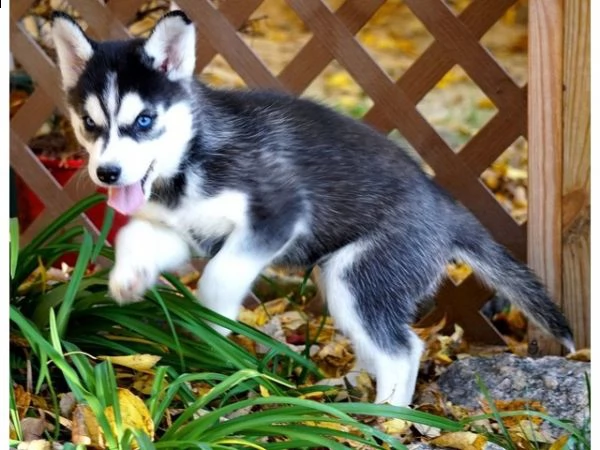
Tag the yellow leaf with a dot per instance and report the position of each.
(253, 317)
(486, 103)
(530, 431)
(140, 362)
(426, 333)
(584, 354)
(264, 391)
(462, 440)
(343, 81)
(134, 413)
(277, 306)
(560, 443)
(22, 399)
(512, 173)
(395, 426)
(451, 77)
(143, 382)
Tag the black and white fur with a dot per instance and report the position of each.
(254, 178)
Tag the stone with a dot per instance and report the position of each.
(557, 383)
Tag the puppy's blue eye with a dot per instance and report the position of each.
(144, 121)
(89, 124)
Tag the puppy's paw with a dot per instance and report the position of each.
(128, 284)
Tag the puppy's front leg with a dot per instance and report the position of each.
(229, 275)
(144, 250)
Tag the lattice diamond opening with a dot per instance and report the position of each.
(511, 52)
(457, 6)
(507, 178)
(335, 87)
(393, 36)
(218, 73)
(457, 108)
(275, 33)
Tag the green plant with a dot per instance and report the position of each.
(64, 323)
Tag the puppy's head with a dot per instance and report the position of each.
(129, 103)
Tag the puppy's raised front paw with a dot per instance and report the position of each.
(128, 284)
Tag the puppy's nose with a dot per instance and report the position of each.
(108, 174)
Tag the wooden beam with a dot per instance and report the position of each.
(544, 248)
(576, 169)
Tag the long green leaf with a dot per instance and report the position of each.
(109, 215)
(64, 219)
(80, 267)
(14, 245)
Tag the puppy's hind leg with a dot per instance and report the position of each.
(380, 339)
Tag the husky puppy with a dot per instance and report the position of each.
(253, 178)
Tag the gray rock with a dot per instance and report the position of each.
(557, 383)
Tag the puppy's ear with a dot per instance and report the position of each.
(73, 48)
(172, 46)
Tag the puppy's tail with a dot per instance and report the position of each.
(513, 280)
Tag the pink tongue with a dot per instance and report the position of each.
(126, 199)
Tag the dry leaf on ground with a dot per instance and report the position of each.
(134, 415)
(461, 440)
(139, 362)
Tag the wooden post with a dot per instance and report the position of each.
(576, 170)
(559, 155)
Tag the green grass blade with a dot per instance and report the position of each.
(238, 327)
(80, 267)
(486, 393)
(14, 413)
(109, 216)
(569, 428)
(14, 245)
(160, 301)
(65, 218)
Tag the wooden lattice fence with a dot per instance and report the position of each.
(456, 42)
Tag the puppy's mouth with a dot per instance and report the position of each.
(128, 199)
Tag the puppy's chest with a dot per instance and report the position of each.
(202, 218)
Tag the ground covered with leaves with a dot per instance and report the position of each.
(153, 375)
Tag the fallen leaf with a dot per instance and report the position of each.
(584, 354)
(253, 317)
(264, 392)
(144, 382)
(134, 413)
(516, 405)
(427, 431)
(485, 103)
(277, 306)
(335, 358)
(33, 428)
(22, 399)
(396, 426)
(462, 440)
(139, 362)
(67, 404)
(86, 430)
(530, 431)
(432, 331)
(342, 81)
(38, 444)
(560, 443)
